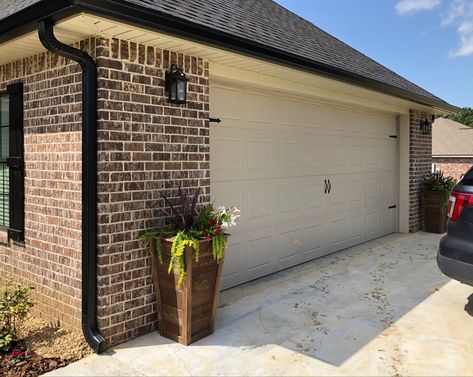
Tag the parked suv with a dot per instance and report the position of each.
(455, 255)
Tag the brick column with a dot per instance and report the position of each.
(420, 163)
(146, 145)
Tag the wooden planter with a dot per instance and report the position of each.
(435, 209)
(186, 314)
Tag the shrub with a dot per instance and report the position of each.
(15, 304)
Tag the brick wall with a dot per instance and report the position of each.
(453, 167)
(146, 145)
(420, 163)
(50, 260)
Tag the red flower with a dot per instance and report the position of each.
(207, 237)
(213, 222)
(218, 230)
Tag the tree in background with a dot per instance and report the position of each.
(464, 116)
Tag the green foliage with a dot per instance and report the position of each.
(438, 182)
(15, 304)
(190, 225)
(219, 244)
(6, 340)
(156, 236)
(178, 258)
(464, 116)
(204, 218)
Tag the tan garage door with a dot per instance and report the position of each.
(271, 156)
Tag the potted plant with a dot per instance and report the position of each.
(434, 198)
(187, 262)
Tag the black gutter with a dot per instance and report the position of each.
(89, 179)
(155, 20)
(26, 20)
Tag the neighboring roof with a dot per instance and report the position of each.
(451, 139)
(261, 23)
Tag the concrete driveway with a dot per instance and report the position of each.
(381, 308)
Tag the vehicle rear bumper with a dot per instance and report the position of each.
(455, 269)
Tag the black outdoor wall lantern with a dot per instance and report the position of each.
(426, 125)
(176, 85)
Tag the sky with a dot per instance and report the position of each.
(429, 42)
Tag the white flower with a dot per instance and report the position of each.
(222, 210)
(225, 225)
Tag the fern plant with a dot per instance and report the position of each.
(191, 224)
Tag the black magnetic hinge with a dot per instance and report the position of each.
(393, 136)
(392, 207)
(215, 120)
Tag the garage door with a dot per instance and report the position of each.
(310, 178)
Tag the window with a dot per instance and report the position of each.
(12, 205)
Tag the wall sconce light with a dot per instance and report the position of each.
(176, 85)
(426, 125)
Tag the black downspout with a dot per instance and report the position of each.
(89, 179)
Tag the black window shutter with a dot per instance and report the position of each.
(16, 163)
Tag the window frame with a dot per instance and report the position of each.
(4, 228)
(15, 163)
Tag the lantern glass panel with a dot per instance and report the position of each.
(172, 90)
(181, 90)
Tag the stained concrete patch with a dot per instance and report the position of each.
(381, 308)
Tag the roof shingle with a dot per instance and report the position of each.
(266, 22)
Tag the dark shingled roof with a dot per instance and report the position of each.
(266, 22)
(9, 7)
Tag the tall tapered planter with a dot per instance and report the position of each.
(434, 208)
(186, 313)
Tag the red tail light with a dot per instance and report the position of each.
(458, 201)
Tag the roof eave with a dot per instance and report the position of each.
(25, 21)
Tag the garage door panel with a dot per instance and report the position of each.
(259, 107)
(289, 154)
(230, 152)
(270, 157)
(292, 113)
(337, 155)
(314, 240)
(289, 245)
(312, 195)
(260, 154)
(227, 101)
(373, 224)
(312, 154)
(260, 251)
(233, 264)
(388, 221)
(259, 204)
(338, 232)
(356, 229)
(372, 191)
(290, 199)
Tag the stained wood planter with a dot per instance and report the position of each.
(435, 209)
(186, 314)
